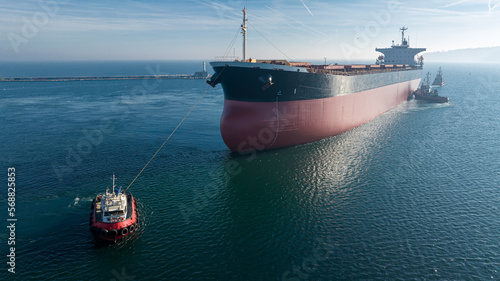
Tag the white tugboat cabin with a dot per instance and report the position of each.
(114, 214)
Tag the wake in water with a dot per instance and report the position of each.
(75, 201)
(414, 105)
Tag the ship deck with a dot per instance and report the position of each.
(98, 208)
(333, 69)
(343, 69)
(349, 70)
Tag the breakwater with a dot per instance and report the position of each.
(202, 75)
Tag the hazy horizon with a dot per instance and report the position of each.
(51, 30)
(434, 57)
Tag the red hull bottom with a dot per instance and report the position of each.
(435, 99)
(250, 126)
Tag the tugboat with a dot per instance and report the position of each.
(425, 93)
(438, 81)
(114, 215)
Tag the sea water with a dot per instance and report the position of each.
(413, 194)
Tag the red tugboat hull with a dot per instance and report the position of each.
(435, 99)
(114, 231)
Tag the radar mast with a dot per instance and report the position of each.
(244, 32)
(403, 41)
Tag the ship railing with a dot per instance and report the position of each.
(357, 71)
(226, 58)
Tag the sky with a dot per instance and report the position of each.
(45, 30)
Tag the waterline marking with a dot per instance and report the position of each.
(11, 221)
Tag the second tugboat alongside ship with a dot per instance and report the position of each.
(438, 81)
(114, 215)
(277, 103)
(425, 93)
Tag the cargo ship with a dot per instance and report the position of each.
(278, 103)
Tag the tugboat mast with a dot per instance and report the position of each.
(428, 78)
(244, 32)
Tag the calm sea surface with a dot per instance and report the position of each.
(413, 194)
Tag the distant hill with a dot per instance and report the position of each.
(491, 55)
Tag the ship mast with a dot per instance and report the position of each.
(403, 35)
(244, 32)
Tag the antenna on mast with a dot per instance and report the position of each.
(244, 32)
(403, 35)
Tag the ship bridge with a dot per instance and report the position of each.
(401, 53)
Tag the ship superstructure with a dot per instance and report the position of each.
(401, 53)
